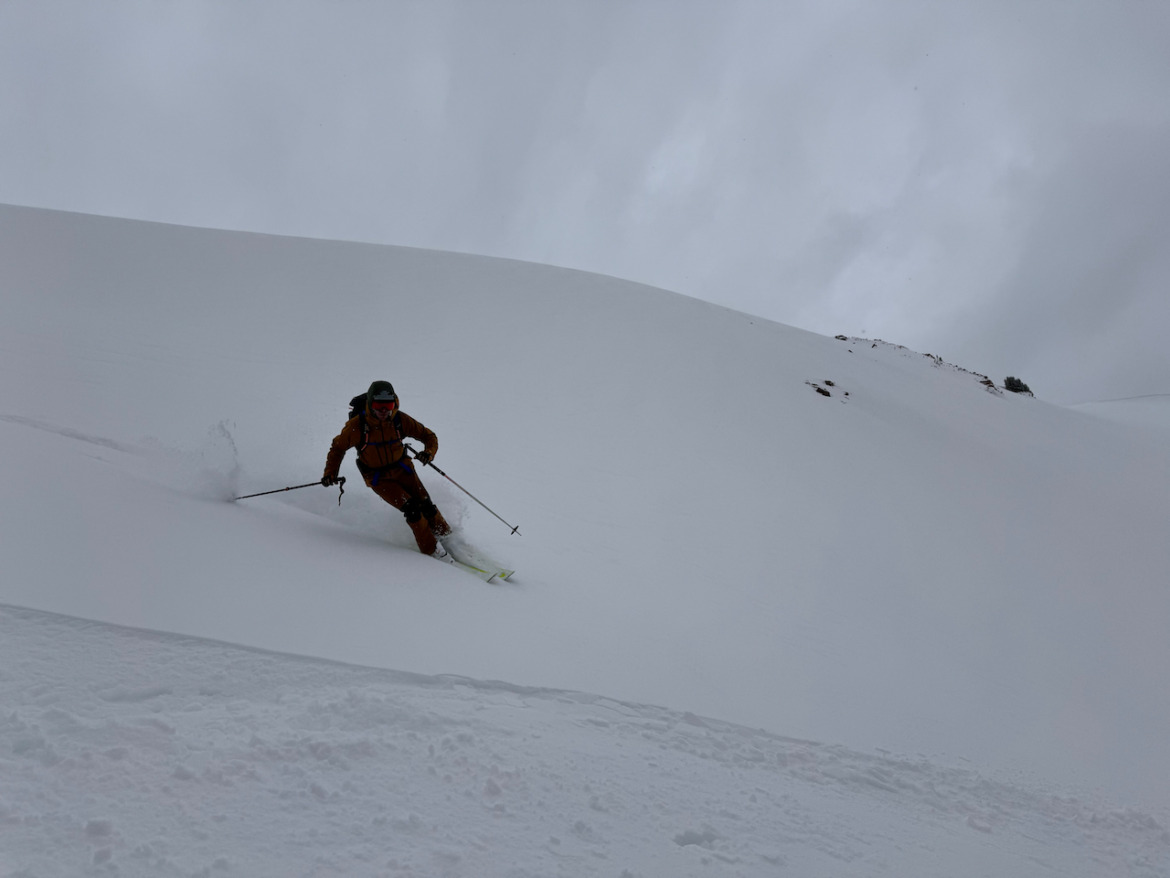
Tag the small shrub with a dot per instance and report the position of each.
(1015, 385)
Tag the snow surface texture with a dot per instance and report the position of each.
(132, 752)
(960, 593)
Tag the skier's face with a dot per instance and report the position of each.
(383, 410)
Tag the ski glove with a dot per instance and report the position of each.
(327, 481)
(424, 457)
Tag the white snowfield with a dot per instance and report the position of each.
(144, 753)
(914, 627)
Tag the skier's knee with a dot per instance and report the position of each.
(412, 509)
(429, 510)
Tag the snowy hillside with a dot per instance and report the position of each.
(959, 594)
(1146, 412)
(145, 754)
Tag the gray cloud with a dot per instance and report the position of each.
(937, 174)
(1086, 304)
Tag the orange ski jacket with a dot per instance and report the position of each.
(379, 443)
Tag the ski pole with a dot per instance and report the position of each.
(515, 530)
(340, 485)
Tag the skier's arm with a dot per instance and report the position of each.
(342, 442)
(414, 430)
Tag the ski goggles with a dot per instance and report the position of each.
(384, 408)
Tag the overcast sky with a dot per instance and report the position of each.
(983, 180)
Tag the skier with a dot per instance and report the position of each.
(377, 434)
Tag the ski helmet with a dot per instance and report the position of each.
(381, 391)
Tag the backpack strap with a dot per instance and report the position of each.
(366, 430)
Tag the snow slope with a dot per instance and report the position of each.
(1150, 413)
(139, 753)
(915, 565)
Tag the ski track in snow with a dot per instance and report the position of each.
(68, 433)
(139, 753)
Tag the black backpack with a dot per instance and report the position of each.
(357, 406)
